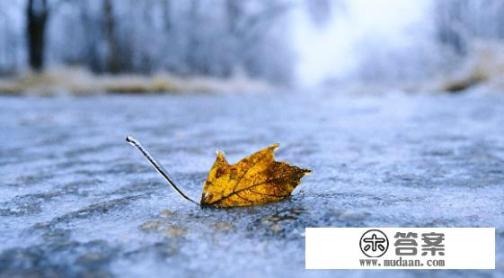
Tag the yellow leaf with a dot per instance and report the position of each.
(255, 180)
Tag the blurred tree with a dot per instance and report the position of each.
(450, 29)
(167, 8)
(193, 63)
(37, 12)
(205, 37)
(112, 63)
(460, 22)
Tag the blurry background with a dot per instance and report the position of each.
(450, 44)
(336, 79)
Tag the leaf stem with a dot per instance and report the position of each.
(157, 166)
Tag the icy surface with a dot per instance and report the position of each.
(76, 199)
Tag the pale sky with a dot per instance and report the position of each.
(329, 52)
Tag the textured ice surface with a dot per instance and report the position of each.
(76, 199)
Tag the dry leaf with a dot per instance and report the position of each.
(255, 180)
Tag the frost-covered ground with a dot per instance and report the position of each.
(75, 199)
